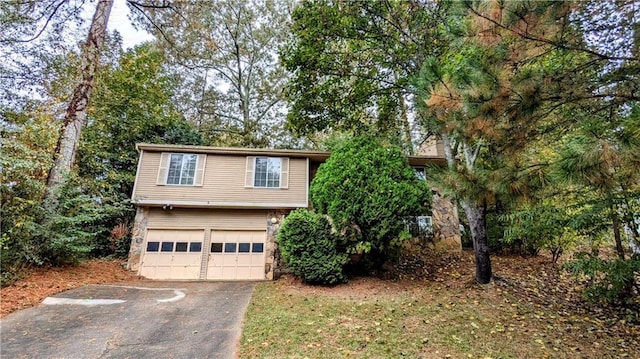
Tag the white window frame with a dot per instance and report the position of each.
(165, 165)
(425, 223)
(186, 163)
(422, 169)
(252, 173)
(267, 172)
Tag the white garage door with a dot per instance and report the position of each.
(236, 255)
(172, 254)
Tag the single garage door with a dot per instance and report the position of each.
(172, 254)
(236, 255)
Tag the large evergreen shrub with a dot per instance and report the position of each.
(309, 248)
(367, 190)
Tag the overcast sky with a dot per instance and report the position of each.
(119, 21)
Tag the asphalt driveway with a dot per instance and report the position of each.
(141, 320)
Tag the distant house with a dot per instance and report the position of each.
(213, 213)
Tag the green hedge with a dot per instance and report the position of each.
(368, 189)
(309, 248)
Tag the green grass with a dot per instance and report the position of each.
(427, 320)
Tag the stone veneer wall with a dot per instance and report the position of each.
(446, 225)
(137, 237)
(273, 260)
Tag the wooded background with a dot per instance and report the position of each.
(537, 104)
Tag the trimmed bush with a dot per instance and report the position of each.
(368, 189)
(309, 249)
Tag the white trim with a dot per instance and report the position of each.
(135, 182)
(315, 155)
(214, 204)
(249, 170)
(307, 184)
(192, 228)
(201, 164)
(195, 170)
(320, 155)
(255, 172)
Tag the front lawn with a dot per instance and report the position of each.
(531, 311)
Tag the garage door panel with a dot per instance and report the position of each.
(214, 272)
(257, 272)
(229, 273)
(150, 259)
(162, 273)
(244, 260)
(257, 259)
(228, 260)
(172, 254)
(187, 260)
(238, 255)
(148, 272)
(184, 272)
(244, 272)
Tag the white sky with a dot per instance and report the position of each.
(119, 21)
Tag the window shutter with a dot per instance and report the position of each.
(284, 173)
(162, 171)
(202, 159)
(248, 176)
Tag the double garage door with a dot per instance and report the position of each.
(186, 254)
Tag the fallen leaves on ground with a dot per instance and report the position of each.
(553, 296)
(43, 282)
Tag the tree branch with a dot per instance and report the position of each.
(46, 24)
(140, 8)
(528, 36)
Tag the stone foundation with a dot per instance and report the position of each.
(446, 225)
(273, 260)
(137, 238)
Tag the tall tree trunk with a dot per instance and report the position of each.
(406, 127)
(448, 150)
(615, 220)
(476, 215)
(631, 227)
(76, 114)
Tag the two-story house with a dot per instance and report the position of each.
(213, 213)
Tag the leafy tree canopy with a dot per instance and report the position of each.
(132, 103)
(352, 62)
(224, 54)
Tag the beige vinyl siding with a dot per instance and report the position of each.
(224, 182)
(222, 219)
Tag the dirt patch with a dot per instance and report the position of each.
(43, 282)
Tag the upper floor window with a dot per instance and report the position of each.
(184, 169)
(267, 172)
